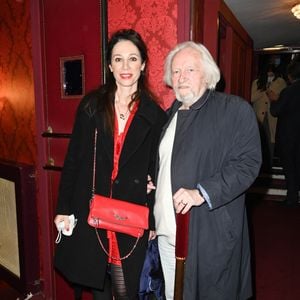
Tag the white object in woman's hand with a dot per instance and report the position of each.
(62, 219)
(65, 225)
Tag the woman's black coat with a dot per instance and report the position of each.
(79, 257)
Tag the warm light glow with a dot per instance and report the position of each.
(277, 47)
(296, 11)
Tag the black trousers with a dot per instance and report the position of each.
(114, 286)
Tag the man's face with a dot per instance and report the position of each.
(188, 78)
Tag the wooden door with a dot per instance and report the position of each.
(70, 34)
(234, 54)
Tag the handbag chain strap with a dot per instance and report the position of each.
(112, 257)
(93, 194)
(94, 163)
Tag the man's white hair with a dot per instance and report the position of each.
(211, 70)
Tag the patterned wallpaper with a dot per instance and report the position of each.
(17, 108)
(156, 21)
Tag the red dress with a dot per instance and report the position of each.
(114, 254)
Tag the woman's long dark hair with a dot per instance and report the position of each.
(106, 93)
(263, 76)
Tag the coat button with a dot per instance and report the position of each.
(136, 181)
(116, 181)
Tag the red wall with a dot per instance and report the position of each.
(78, 33)
(210, 26)
(235, 54)
(156, 21)
(17, 111)
(230, 45)
(70, 31)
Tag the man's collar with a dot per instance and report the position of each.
(198, 104)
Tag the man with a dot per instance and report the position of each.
(287, 109)
(209, 155)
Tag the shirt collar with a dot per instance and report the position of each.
(202, 100)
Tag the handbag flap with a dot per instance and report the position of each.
(119, 212)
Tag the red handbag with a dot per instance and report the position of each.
(118, 216)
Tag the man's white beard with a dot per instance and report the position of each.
(187, 99)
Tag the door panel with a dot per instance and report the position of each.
(235, 49)
(67, 33)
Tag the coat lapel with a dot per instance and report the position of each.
(138, 130)
(104, 139)
(171, 112)
(185, 117)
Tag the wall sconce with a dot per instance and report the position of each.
(296, 11)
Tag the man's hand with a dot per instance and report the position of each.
(184, 199)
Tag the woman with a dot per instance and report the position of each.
(268, 79)
(129, 123)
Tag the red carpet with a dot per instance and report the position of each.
(275, 237)
(275, 233)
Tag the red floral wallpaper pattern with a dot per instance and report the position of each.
(17, 108)
(156, 21)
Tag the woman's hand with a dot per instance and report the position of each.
(150, 185)
(62, 218)
(152, 235)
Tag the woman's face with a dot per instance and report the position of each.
(126, 64)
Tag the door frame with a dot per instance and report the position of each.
(44, 207)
